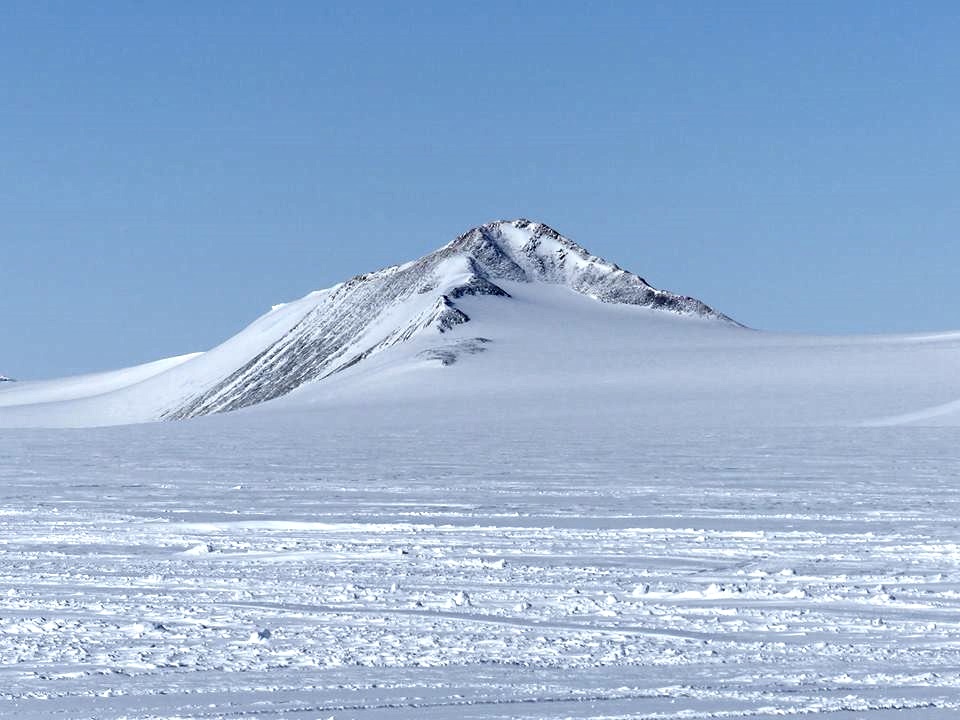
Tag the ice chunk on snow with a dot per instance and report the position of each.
(201, 549)
(261, 635)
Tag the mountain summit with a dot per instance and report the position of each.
(543, 310)
(369, 313)
(527, 251)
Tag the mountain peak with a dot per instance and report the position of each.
(493, 284)
(524, 250)
(332, 330)
(516, 234)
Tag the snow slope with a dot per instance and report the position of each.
(550, 348)
(81, 386)
(512, 313)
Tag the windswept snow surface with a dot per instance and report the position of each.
(531, 562)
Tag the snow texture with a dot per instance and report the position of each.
(541, 563)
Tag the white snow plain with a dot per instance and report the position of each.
(560, 509)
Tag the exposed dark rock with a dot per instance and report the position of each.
(477, 286)
(449, 354)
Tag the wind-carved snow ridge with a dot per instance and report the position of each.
(372, 312)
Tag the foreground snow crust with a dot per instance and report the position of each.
(490, 561)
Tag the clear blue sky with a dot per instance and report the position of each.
(170, 170)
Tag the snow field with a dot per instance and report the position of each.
(305, 568)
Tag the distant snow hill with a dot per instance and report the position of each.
(513, 319)
(4, 378)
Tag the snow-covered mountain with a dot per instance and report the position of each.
(4, 378)
(370, 313)
(512, 314)
(328, 331)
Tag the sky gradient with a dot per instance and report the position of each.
(168, 173)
